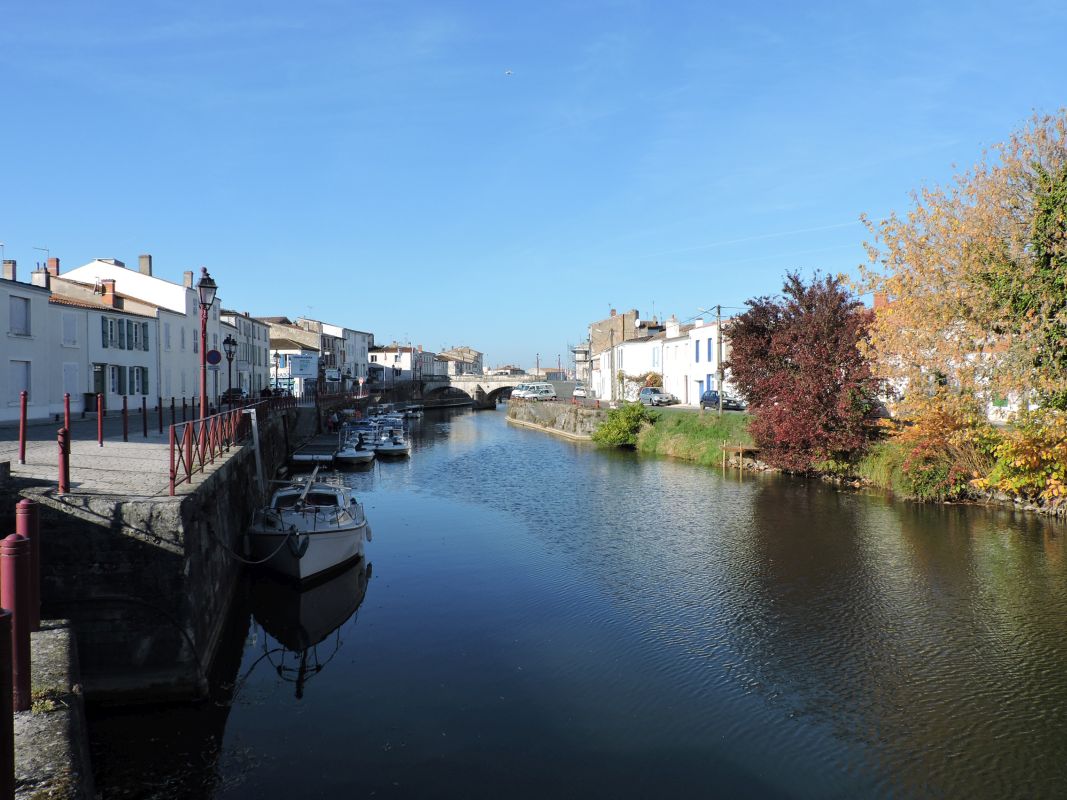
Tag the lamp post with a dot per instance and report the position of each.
(229, 346)
(206, 288)
(277, 368)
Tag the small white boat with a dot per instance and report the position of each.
(392, 442)
(309, 527)
(354, 449)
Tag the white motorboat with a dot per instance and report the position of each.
(392, 441)
(354, 449)
(309, 527)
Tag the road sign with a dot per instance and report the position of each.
(213, 356)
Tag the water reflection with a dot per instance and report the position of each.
(299, 619)
(549, 620)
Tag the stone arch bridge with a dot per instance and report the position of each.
(485, 390)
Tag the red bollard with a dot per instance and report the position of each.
(23, 397)
(64, 460)
(66, 410)
(125, 420)
(598, 403)
(100, 419)
(14, 596)
(7, 715)
(144, 415)
(28, 524)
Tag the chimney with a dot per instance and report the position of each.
(107, 291)
(881, 300)
(187, 279)
(40, 277)
(144, 264)
(9, 269)
(53, 267)
(613, 312)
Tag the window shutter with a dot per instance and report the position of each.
(122, 335)
(122, 379)
(129, 334)
(144, 335)
(144, 375)
(103, 330)
(133, 380)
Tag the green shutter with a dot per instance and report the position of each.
(122, 335)
(103, 330)
(144, 376)
(133, 380)
(144, 335)
(122, 380)
(129, 334)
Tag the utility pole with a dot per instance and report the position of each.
(537, 369)
(718, 355)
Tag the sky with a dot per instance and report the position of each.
(497, 175)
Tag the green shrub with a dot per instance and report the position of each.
(622, 424)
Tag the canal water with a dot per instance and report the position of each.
(538, 618)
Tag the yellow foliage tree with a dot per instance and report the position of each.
(976, 279)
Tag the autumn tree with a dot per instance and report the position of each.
(976, 277)
(796, 359)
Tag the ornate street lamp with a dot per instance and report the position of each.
(206, 288)
(229, 346)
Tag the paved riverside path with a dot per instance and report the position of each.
(137, 468)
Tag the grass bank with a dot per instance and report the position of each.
(690, 435)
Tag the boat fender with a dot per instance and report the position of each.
(298, 545)
(369, 536)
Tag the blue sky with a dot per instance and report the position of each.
(373, 164)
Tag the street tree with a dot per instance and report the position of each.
(797, 360)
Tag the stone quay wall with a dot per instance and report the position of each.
(566, 419)
(147, 581)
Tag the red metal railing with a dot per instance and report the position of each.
(195, 444)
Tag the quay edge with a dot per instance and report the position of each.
(147, 582)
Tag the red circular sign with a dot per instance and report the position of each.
(214, 357)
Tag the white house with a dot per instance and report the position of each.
(179, 317)
(27, 353)
(252, 360)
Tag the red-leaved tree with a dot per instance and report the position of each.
(797, 361)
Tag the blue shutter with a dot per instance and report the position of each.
(122, 335)
(144, 335)
(103, 331)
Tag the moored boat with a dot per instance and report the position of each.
(308, 528)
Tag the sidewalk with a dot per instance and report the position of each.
(137, 468)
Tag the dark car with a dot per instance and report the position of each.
(233, 393)
(710, 399)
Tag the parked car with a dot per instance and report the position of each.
(655, 396)
(233, 393)
(732, 403)
(710, 399)
(542, 392)
(580, 391)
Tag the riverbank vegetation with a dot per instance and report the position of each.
(692, 435)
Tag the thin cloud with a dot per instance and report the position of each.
(742, 240)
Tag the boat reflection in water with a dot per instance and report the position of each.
(302, 618)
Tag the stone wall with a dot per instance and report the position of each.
(574, 421)
(147, 582)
